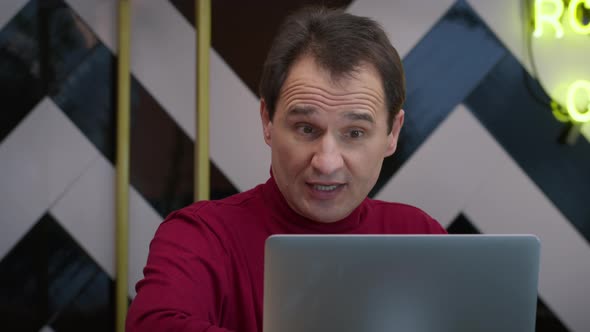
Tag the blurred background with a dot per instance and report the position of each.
(488, 146)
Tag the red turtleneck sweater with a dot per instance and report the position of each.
(205, 267)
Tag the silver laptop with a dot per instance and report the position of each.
(401, 283)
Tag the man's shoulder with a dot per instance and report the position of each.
(231, 205)
(406, 217)
(211, 220)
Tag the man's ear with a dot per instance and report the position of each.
(266, 122)
(396, 128)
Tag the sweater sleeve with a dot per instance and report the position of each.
(185, 279)
(431, 225)
(436, 228)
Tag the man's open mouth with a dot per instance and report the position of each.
(321, 187)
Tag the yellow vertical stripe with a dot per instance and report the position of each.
(203, 18)
(122, 165)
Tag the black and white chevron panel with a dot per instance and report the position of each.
(478, 152)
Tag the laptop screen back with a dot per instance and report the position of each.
(423, 283)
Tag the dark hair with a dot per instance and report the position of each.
(339, 42)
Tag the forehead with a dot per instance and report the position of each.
(305, 71)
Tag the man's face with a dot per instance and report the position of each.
(328, 139)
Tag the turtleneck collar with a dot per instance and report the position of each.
(297, 223)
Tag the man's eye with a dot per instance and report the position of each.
(305, 129)
(355, 133)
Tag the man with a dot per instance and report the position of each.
(331, 96)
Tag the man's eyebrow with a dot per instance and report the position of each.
(301, 111)
(359, 116)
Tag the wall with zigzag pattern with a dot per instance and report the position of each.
(480, 150)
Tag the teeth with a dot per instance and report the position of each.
(324, 188)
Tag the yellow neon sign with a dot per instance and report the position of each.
(572, 109)
(543, 17)
(558, 113)
(549, 13)
(548, 17)
(577, 26)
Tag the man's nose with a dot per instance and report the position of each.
(327, 158)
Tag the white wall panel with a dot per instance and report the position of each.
(39, 160)
(87, 212)
(9, 8)
(446, 170)
(405, 22)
